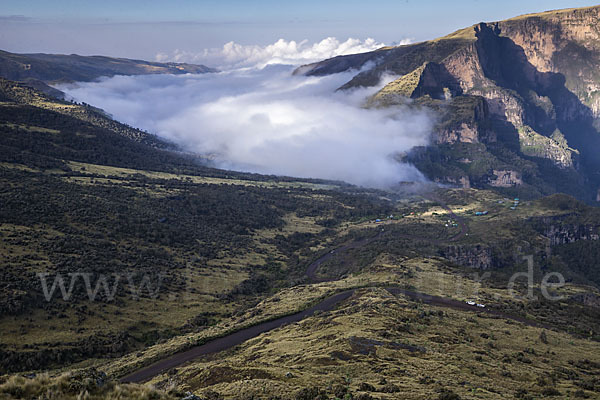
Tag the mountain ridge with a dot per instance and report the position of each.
(534, 95)
(53, 68)
(40, 70)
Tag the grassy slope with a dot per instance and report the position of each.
(80, 196)
(392, 343)
(225, 235)
(374, 335)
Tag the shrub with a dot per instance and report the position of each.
(313, 393)
(447, 394)
(340, 391)
(551, 391)
(390, 388)
(366, 387)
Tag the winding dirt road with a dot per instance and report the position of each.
(231, 340)
(236, 338)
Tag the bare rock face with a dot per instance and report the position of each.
(563, 234)
(566, 42)
(465, 67)
(587, 299)
(476, 256)
(503, 104)
(465, 182)
(464, 119)
(462, 133)
(535, 51)
(506, 178)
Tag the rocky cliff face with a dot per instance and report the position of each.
(478, 257)
(554, 148)
(569, 233)
(539, 81)
(587, 299)
(565, 42)
(506, 178)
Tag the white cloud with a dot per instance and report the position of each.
(268, 121)
(234, 55)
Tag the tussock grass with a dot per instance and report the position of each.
(75, 386)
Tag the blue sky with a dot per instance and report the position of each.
(143, 28)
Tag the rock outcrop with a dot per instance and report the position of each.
(563, 234)
(506, 178)
(478, 256)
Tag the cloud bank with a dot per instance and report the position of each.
(234, 55)
(269, 121)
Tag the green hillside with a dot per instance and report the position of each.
(80, 195)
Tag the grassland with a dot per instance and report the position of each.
(204, 275)
(35, 69)
(379, 345)
(373, 345)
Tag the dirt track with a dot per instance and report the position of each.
(231, 340)
(311, 270)
(329, 303)
(460, 305)
(236, 338)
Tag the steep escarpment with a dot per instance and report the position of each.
(532, 112)
(523, 95)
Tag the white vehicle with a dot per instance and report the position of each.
(471, 303)
(480, 305)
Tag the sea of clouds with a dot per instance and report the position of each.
(234, 55)
(261, 118)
